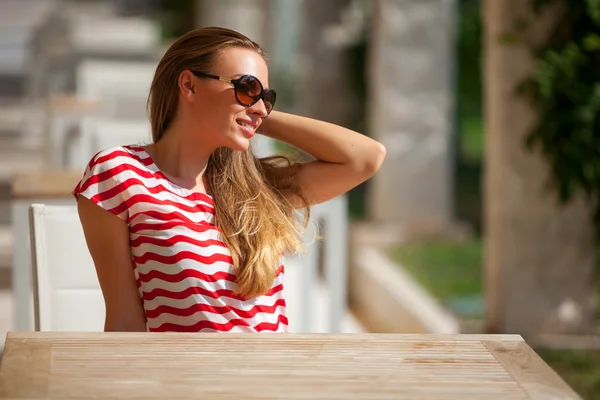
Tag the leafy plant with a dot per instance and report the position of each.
(565, 90)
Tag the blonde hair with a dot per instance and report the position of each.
(257, 221)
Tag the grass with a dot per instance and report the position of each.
(447, 269)
(580, 369)
(451, 271)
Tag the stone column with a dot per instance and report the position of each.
(410, 111)
(539, 255)
(324, 94)
(248, 17)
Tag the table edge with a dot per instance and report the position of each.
(38, 335)
(547, 383)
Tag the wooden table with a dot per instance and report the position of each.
(51, 365)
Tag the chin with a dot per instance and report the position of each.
(240, 144)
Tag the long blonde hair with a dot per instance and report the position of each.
(251, 196)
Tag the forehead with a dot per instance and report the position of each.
(241, 61)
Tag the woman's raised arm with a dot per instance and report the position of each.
(344, 158)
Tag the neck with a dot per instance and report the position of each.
(182, 154)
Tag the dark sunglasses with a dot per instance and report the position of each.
(248, 90)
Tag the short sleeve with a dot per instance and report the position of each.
(104, 181)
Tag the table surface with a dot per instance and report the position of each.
(52, 365)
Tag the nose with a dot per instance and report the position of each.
(259, 108)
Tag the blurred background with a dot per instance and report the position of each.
(483, 218)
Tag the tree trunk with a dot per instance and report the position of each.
(539, 255)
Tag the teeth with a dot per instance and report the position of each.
(246, 125)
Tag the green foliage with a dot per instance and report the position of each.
(176, 17)
(470, 141)
(565, 89)
(469, 44)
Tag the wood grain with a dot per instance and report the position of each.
(53, 365)
(32, 355)
(528, 368)
(44, 184)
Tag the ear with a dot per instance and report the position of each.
(187, 85)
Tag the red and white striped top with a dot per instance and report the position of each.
(183, 270)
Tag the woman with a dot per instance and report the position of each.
(188, 233)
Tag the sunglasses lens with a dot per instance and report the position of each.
(269, 100)
(249, 90)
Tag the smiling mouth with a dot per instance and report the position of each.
(248, 128)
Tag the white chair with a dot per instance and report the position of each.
(66, 291)
(67, 295)
(103, 133)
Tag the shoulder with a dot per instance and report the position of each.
(113, 167)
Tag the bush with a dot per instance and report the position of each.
(565, 90)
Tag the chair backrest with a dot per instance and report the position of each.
(67, 295)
